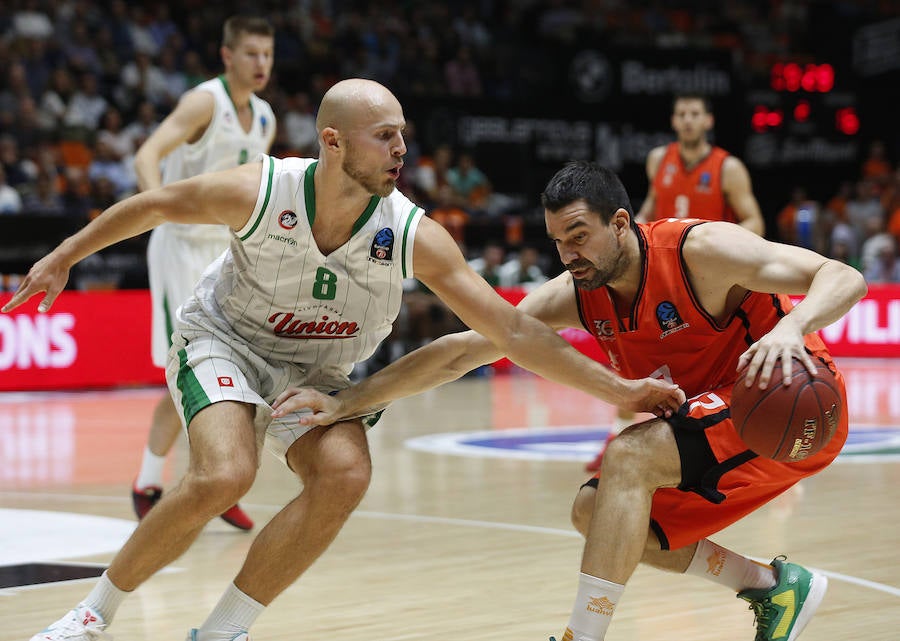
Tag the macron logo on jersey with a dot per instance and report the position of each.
(286, 325)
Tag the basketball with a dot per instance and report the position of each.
(787, 424)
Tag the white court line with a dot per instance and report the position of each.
(418, 518)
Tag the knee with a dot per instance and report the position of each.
(583, 509)
(222, 487)
(344, 475)
(641, 455)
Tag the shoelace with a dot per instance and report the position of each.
(761, 617)
(75, 628)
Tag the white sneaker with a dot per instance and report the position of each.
(194, 635)
(80, 624)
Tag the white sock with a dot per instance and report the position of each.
(151, 470)
(234, 613)
(593, 609)
(722, 566)
(105, 598)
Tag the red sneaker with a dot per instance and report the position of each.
(237, 517)
(594, 465)
(144, 498)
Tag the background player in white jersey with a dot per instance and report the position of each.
(219, 124)
(311, 282)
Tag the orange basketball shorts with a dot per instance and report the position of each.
(721, 480)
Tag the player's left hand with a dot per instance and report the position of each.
(653, 395)
(326, 409)
(784, 341)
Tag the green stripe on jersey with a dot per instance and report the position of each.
(412, 214)
(309, 193)
(265, 204)
(168, 314)
(367, 213)
(193, 397)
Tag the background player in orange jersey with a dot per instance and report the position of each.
(688, 301)
(691, 178)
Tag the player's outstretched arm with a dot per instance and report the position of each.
(226, 197)
(526, 340)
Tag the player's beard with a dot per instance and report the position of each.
(380, 184)
(603, 274)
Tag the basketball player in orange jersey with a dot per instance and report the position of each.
(686, 301)
(691, 178)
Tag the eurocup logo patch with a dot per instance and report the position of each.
(382, 250)
(669, 319)
(287, 219)
(705, 182)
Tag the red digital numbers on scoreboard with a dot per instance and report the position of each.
(793, 77)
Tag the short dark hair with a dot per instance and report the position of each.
(707, 104)
(599, 187)
(236, 26)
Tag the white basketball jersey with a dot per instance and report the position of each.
(285, 299)
(223, 145)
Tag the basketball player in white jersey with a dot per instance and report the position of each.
(312, 281)
(219, 124)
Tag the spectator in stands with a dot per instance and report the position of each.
(119, 142)
(12, 94)
(488, 264)
(174, 79)
(194, 70)
(523, 270)
(885, 264)
(10, 200)
(876, 166)
(12, 162)
(54, 102)
(470, 30)
(44, 199)
(798, 222)
(432, 174)
(449, 215)
(86, 106)
(864, 211)
(30, 21)
(890, 195)
(142, 79)
(461, 74)
(80, 50)
(300, 125)
(470, 183)
(143, 125)
(105, 164)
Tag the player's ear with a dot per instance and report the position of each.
(621, 221)
(330, 139)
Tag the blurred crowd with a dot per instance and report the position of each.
(859, 224)
(84, 82)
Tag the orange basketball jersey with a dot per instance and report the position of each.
(667, 334)
(691, 193)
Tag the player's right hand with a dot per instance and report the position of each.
(326, 409)
(48, 275)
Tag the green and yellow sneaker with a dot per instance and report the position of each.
(783, 611)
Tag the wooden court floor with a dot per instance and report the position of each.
(464, 534)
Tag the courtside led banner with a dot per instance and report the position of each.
(102, 339)
(87, 339)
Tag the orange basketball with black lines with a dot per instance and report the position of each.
(789, 423)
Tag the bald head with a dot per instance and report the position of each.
(356, 102)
